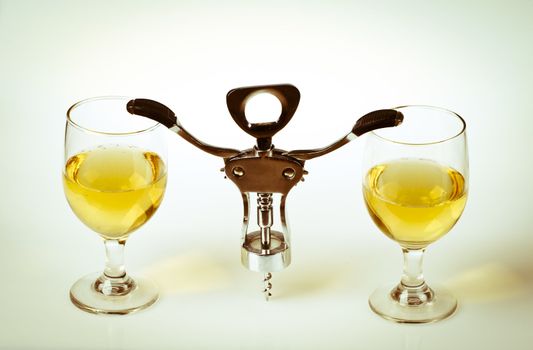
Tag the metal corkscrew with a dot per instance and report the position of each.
(264, 169)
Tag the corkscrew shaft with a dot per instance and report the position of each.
(264, 218)
(264, 221)
(265, 250)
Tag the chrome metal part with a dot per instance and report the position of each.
(313, 153)
(246, 214)
(264, 174)
(214, 150)
(284, 219)
(255, 258)
(382, 118)
(268, 285)
(265, 217)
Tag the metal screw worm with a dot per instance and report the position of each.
(268, 285)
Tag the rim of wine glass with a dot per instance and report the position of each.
(98, 98)
(462, 131)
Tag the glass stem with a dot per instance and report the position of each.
(412, 290)
(114, 262)
(412, 267)
(114, 281)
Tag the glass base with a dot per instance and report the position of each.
(84, 295)
(441, 305)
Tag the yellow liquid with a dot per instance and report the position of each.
(414, 201)
(114, 190)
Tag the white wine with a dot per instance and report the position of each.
(114, 189)
(414, 201)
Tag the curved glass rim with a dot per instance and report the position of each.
(462, 131)
(99, 98)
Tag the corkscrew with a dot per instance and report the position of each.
(264, 169)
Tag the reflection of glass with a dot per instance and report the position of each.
(415, 188)
(114, 180)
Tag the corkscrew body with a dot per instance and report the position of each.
(264, 169)
(265, 173)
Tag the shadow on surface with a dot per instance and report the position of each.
(492, 282)
(194, 272)
(313, 279)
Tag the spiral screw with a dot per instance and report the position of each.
(268, 286)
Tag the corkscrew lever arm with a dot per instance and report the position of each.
(164, 115)
(382, 118)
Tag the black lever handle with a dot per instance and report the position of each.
(153, 110)
(382, 118)
(236, 99)
(164, 115)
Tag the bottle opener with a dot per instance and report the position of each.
(264, 169)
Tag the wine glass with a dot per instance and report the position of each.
(415, 186)
(114, 179)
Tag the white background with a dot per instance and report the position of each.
(347, 58)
